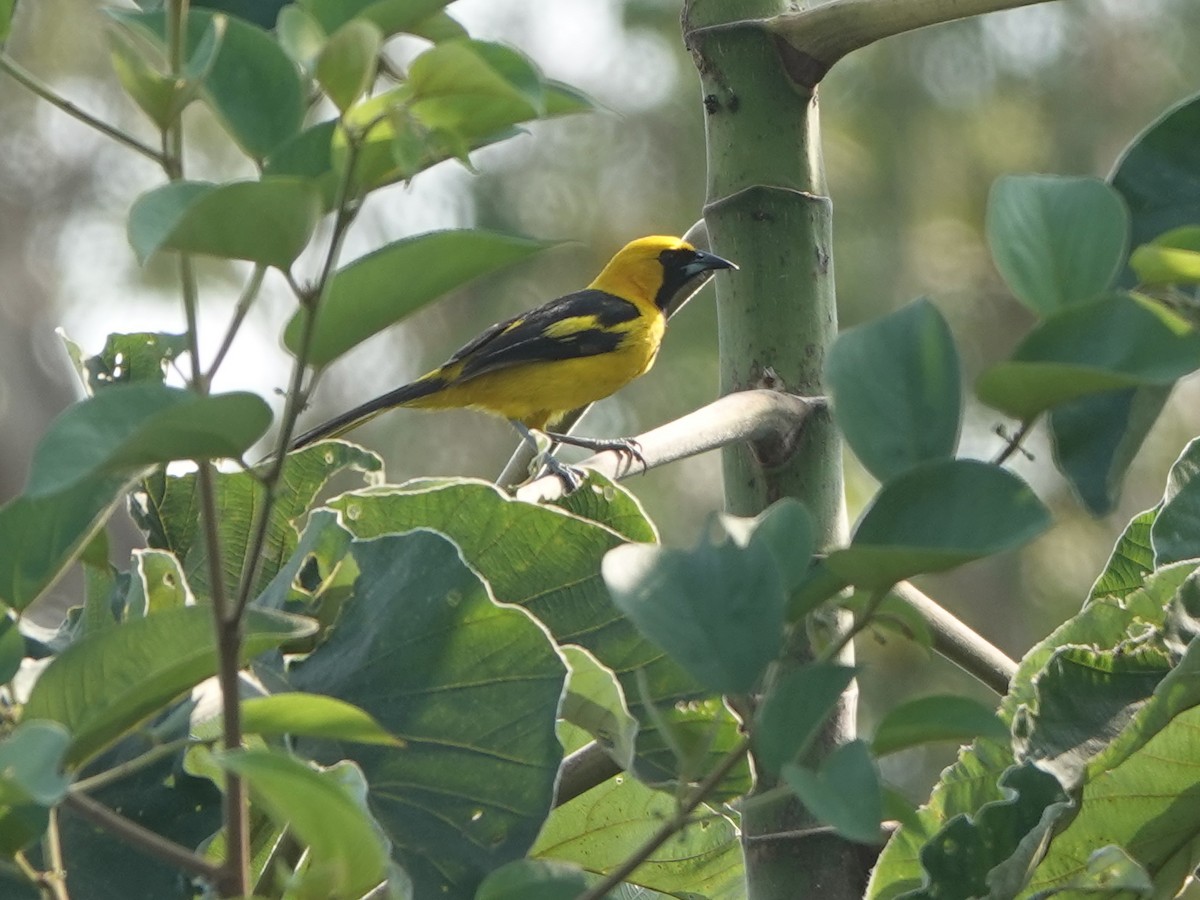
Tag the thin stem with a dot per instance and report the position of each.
(133, 766)
(860, 622)
(672, 825)
(296, 396)
(55, 880)
(29, 81)
(245, 301)
(1013, 443)
(141, 838)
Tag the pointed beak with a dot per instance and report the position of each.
(706, 262)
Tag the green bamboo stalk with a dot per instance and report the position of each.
(767, 211)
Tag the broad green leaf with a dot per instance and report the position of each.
(608, 503)
(455, 84)
(347, 62)
(505, 540)
(896, 389)
(599, 830)
(786, 530)
(1095, 439)
(1057, 241)
(392, 16)
(843, 792)
(793, 711)
(533, 879)
(128, 358)
(348, 857)
(1157, 174)
(1174, 529)
(593, 702)
(381, 288)
(1131, 561)
(105, 686)
(41, 536)
(30, 757)
(947, 717)
(268, 222)
(1108, 871)
(717, 609)
(300, 35)
(313, 715)
(938, 516)
(308, 154)
(252, 86)
(1113, 343)
(1171, 258)
(473, 690)
(168, 512)
(128, 428)
(158, 583)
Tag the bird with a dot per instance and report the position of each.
(536, 367)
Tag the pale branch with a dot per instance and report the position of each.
(586, 768)
(964, 647)
(768, 419)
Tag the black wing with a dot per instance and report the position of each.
(523, 338)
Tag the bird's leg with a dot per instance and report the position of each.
(626, 447)
(571, 477)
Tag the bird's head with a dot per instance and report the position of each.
(657, 269)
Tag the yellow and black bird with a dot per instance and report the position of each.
(536, 367)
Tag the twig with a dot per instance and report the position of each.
(141, 838)
(55, 879)
(28, 80)
(245, 301)
(672, 825)
(1013, 443)
(133, 766)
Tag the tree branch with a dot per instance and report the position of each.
(769, 420)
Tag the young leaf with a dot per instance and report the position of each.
(348, 856)
(1131, 561)
(946, 717)
(844, 792)
(346, 65)
(1057, 241)
(1171, 258)
(268, 221)
(1176, 523)
(794, 710)
(381, 288)
(1116, 342)
(896, 389)
(128, 428)
(313, 715)
(717, 610)
(104, 686)
(938, 516)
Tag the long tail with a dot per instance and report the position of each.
(347, 421)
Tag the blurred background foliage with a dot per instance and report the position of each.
(915, 129)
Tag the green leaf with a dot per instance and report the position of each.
(300, 35)
(42, 536)
(268, 222)
(601, 828)
(381, 288)
(348, 857)
(1057, 241)
(313, 715)
(392, 16)
(128, 358)
(472, 688)
(252, 86)
(794, 709)
(1171, 258)
(844, 792)
(896, 389)
(717, 609)
(945, 717)
(103, 687)
(12, 649)
(1157, 173)
(607, 503)
(158, 583)
(346, 65)
(1131, 561)
(533, 879)
(505, 540)
(128, 428)
(938, 516)
(1109, 870)
(7, 8)
(1174, 528)
(30, 758)
(786, 530)
(593, 702)
(455, 84)
(1117, 342)
(168, 512)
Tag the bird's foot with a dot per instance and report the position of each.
(629, 449)
(571, 477)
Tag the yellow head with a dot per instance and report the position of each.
(654, 269)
